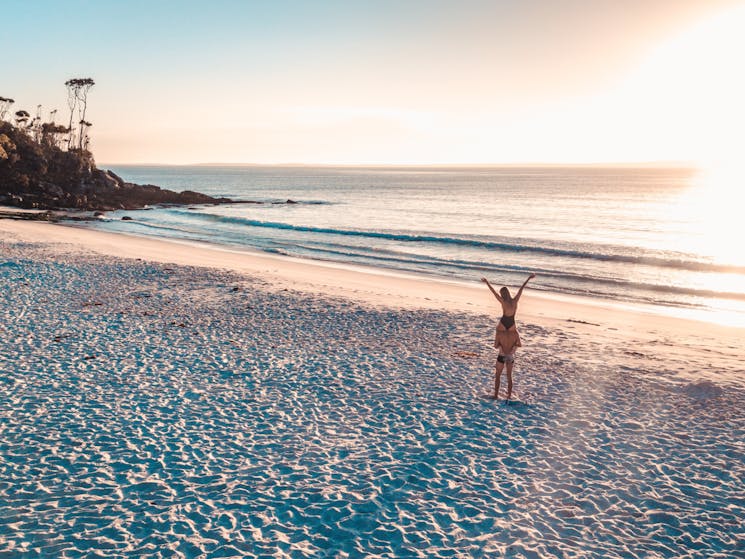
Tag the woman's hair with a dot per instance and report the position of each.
(505, 293)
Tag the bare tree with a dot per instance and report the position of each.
(84, 139)
(5, 103)
(53, 134)
(35, 125)
(22, 118)
(72, 101)
(85, 86)
(77, 97)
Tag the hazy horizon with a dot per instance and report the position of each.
(444, 165)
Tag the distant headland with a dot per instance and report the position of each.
(48, 166)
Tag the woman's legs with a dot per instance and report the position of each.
(509, 379)
(497, 377)
(507, 341)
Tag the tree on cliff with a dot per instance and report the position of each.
(5, 103)
(53, 134)
(77, 97)
(35, 125)
(22, 118)
(84, 125)
(72, 100)
(36, 172)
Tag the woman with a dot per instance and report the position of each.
(507, 339)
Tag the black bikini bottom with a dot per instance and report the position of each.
(507, 321)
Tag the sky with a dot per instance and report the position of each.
(387, 82)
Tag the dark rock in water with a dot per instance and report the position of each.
(290, 201)
(98, 214)
(29, 216)
(42, 176)
(126, 218)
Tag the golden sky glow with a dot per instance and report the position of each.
(420, 82)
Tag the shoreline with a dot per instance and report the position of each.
(714, 316)
(613, 323)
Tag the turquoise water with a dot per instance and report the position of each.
(631, 234)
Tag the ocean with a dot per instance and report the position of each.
(648, 235)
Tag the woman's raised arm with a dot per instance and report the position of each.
(520, 291)
(486, 281)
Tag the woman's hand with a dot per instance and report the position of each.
(485, 280)
(531, 276)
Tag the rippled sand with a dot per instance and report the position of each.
(162, 411)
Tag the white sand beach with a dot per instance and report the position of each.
(167, 399)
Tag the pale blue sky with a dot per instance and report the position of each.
(340, 82)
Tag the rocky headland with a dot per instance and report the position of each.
(39, 175)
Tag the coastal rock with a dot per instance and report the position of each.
(42, 176)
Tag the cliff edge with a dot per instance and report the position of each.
(43, 176)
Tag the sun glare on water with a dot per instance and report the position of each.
(693, 87)
(693, 92)
(713, 210)
(706, 221)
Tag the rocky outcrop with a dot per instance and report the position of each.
(37, 175)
